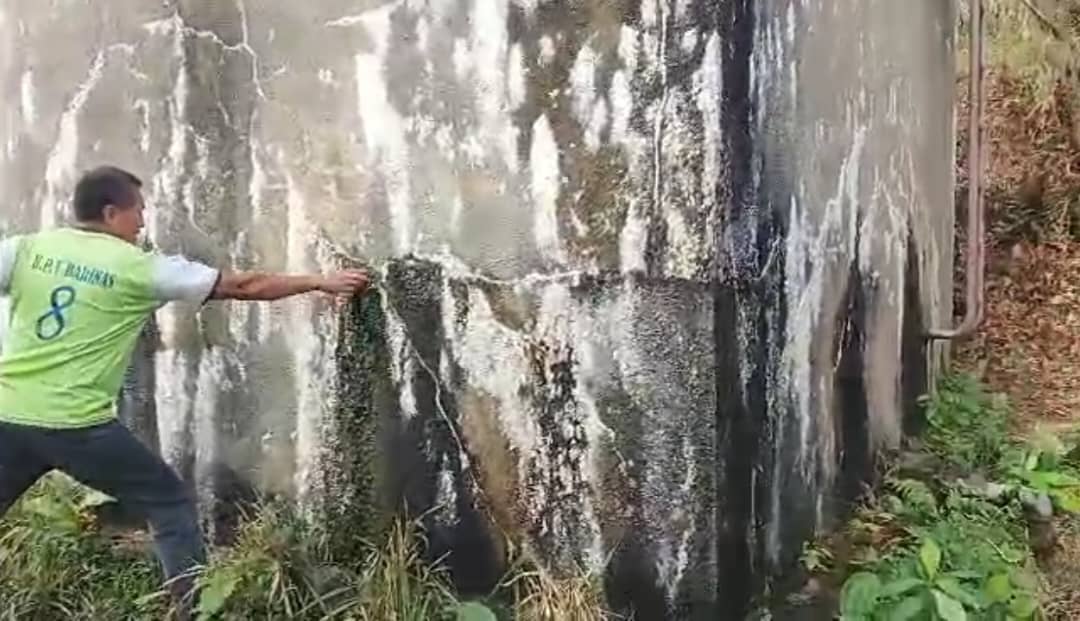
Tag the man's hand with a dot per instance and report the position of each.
(345, 283)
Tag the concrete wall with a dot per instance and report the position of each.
(652, 275)
(839, 249)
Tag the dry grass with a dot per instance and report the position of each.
(539, 594)
(398, 585)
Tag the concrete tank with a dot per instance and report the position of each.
(653, 274)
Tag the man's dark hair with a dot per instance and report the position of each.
(101, 187)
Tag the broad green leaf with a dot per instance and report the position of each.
(908, 609)
(94, 498)
(860, 594)
(1067, 499)
(1023, 606)
(953, 589)
(60, 515)
(1031, 461)
(1047, 480)
(948, 608)
(149, 598)
(216, 592)
(930, 558)
(473, 611)
(896, 588)
(998, 588)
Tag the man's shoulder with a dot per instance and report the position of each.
(175, 277)
(82, 254)
(91, 244)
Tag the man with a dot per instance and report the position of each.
(79, 299)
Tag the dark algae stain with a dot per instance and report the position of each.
(355, 507)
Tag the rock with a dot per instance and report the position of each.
(918, 465)
(978, 485)
(1037, 506)
(1042, 532)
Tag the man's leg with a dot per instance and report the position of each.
(110, 459)
(20, 468)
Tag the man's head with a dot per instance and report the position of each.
(110, 200)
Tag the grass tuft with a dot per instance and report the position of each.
(539, 594)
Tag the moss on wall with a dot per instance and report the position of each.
(353, 509)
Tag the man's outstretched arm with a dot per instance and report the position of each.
(177, 278)
(264, 286)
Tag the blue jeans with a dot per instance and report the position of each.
(109, 459)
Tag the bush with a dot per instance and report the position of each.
(55, 563)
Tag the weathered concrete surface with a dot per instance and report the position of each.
(652, 273)
(839, 245)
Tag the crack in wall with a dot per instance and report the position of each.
(378, 283)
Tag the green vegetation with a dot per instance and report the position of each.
(952, 539)
(57, 562)
(281, 568)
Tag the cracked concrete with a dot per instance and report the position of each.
(651, 272)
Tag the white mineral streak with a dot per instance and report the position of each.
(384, 138)
(565, 323)
(60, 170)
(544, 163)
(492, 357)
(818, 242)
(174, 403)
(632, 237)
(27, 98)
(586, 102)
(211, 383)
(309, 334)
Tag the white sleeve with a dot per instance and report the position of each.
(9, 250)
(175, 278)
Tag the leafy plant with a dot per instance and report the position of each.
(929, 549)
(931, 592)
(1041, 468)
(911, 498)
(967, 426)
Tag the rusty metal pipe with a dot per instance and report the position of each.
(975, 271)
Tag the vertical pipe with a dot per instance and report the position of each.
(976, 243)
